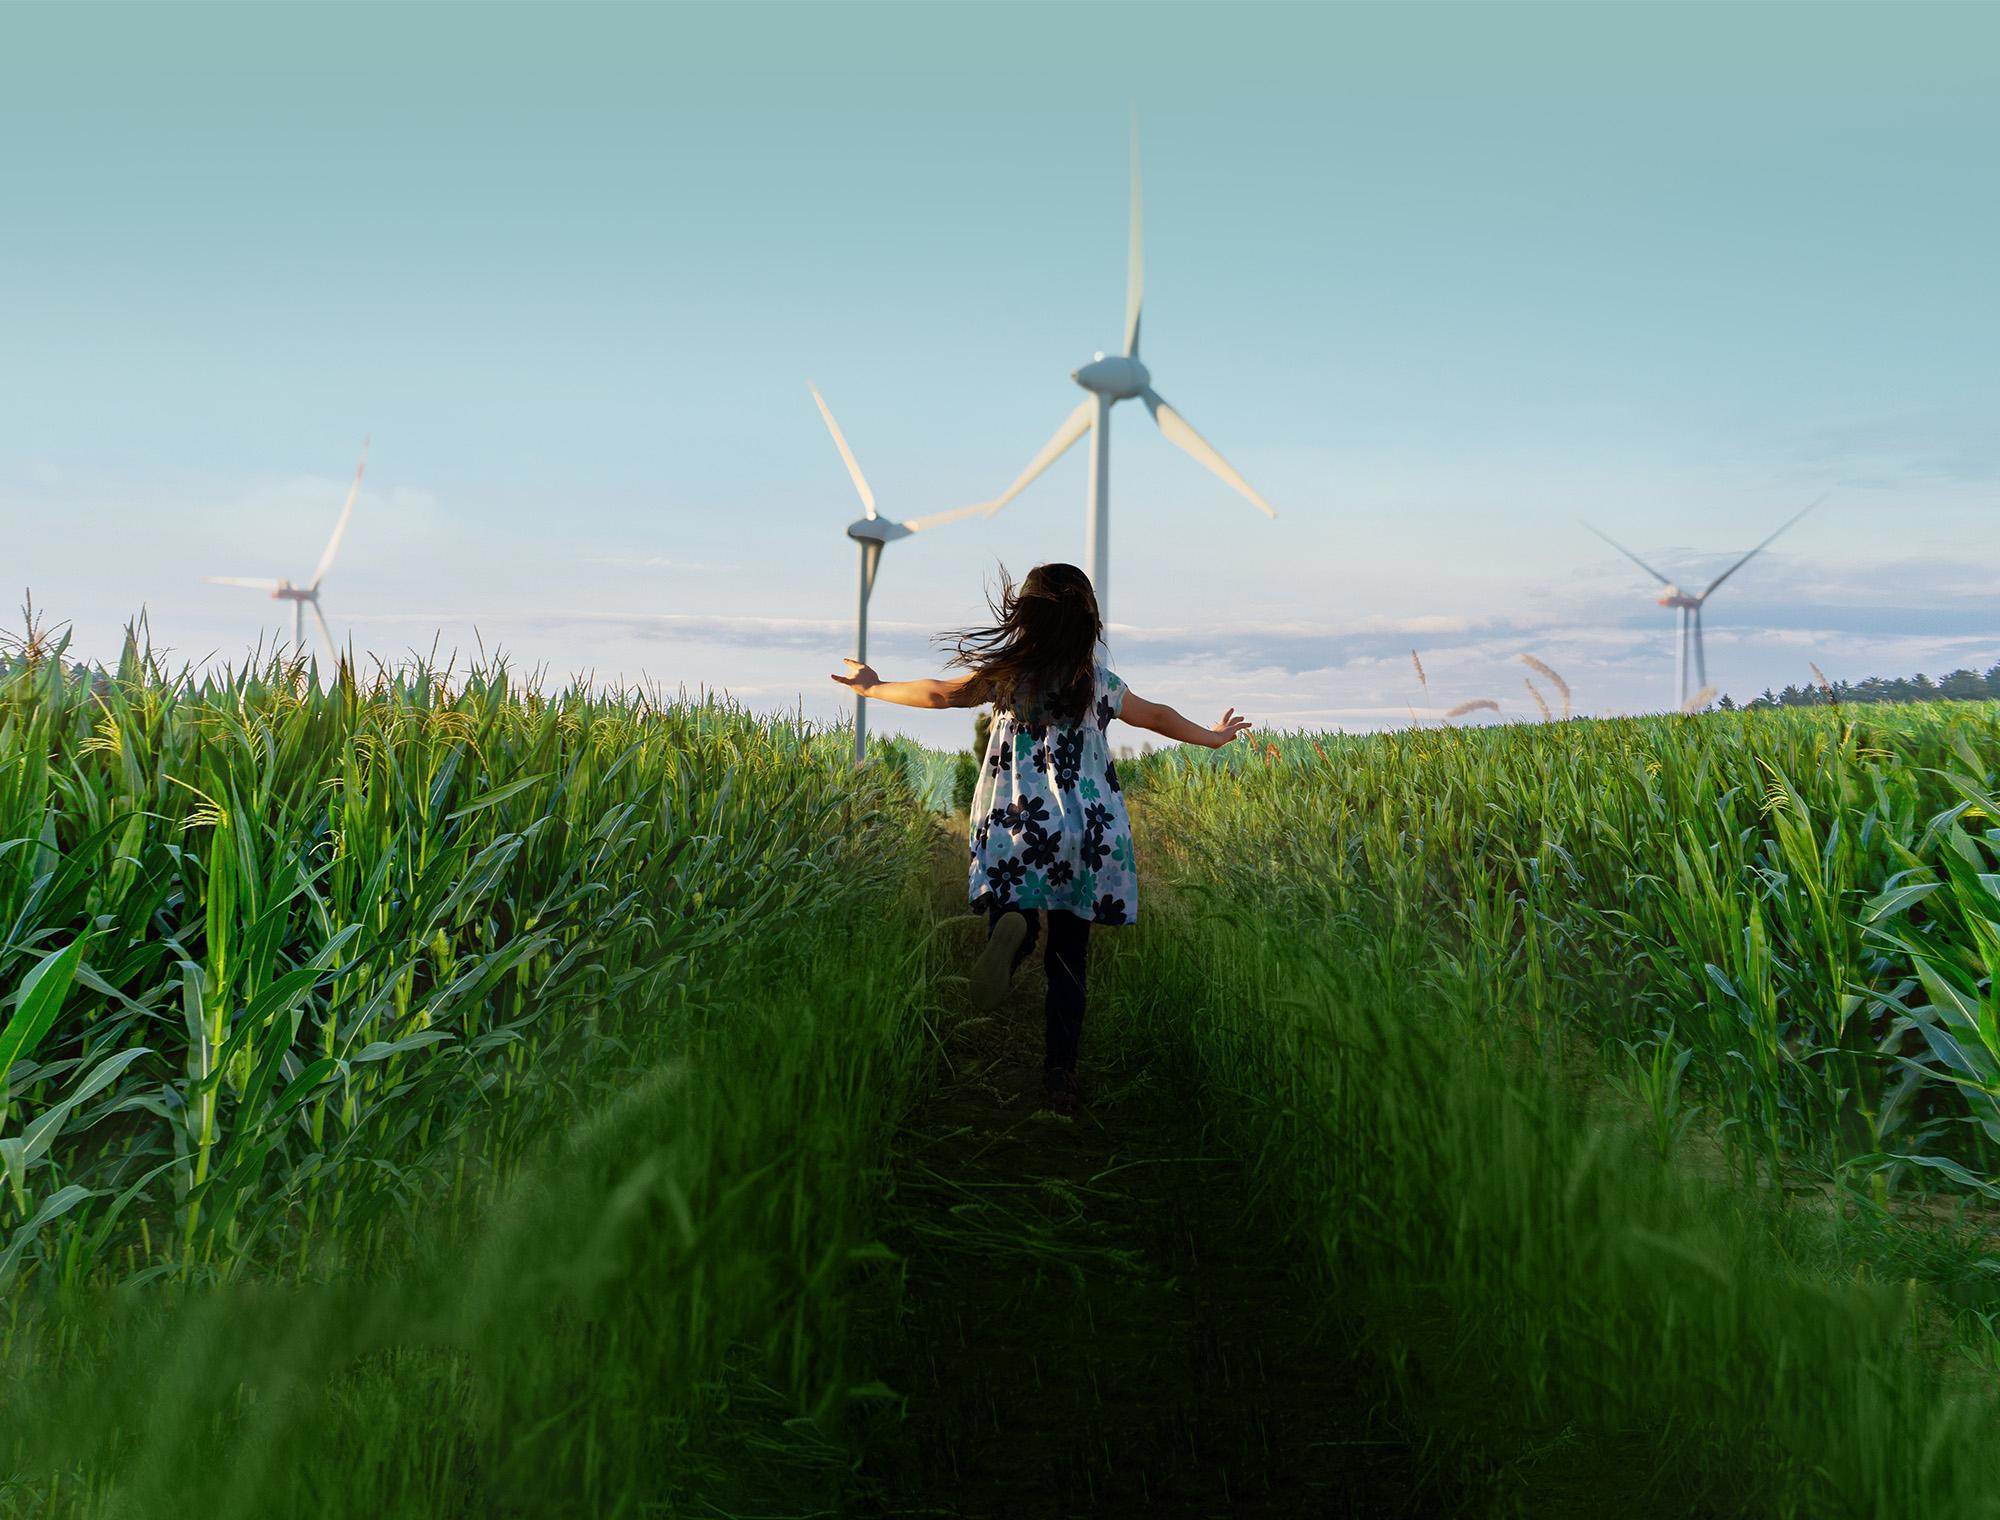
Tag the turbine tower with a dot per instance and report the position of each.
(1112, 380)
(308, 595)
(870, 532)
(1689, 606)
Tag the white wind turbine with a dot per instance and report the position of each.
(1690, 605)
(1112, 380)
(308, 595)
(870, 532)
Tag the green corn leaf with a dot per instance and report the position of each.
(58, 1204)
(1941, 1164)
(303, 1084)
(497, 796)
(1954, 1004)
(381, 1050)
(1897, 900)
(37, 1137)
(35, 1010)
(1971, 1062)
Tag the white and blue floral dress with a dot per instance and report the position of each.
(1049, 826)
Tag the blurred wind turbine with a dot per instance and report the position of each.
(1109, 381)
(308, 595)
(1690, 606)
(870, 532)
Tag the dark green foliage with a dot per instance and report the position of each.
(507, 1086)
(649, 1315)
(929, 776)
(325, 929)
(965, 766)
(496, 1106)
(1801, 898)
(1959, 686)
(1377, 969)
(965, 780)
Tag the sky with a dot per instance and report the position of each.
(1442, 280)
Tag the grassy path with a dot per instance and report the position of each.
(1089, 1325)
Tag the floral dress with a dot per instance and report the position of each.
(1049, 827)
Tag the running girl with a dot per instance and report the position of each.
(1050, 833)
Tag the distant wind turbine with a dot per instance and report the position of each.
(1109, 381)
(870, 532)
(1690, 606)
(308, 595)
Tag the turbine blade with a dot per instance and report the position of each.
(1135, 255)
(333, 545)
(248, 581)
(1074, 427)
(1630, 555)
(1180, 432)
(939, 519)
(326, 633)
(847, 454)
(1763, 546)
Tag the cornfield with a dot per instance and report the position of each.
(1629, 1083)
(278, 948)
(1807, 903)
(428, 1095)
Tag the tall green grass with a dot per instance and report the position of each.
(1397, 966)
(1572, 1325)
(1804, 904)
(430, 1096)
(650, 1316)
(433, 1097)
(270, 949)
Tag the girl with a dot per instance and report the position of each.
(1049, 828)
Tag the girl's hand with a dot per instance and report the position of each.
(859, 676)
(1229, 727)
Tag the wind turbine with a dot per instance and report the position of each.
(1690, 606)
(870, 533)
(308, 595)
(1112, 380)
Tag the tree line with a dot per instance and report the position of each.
(1959, 686)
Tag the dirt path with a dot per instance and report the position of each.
(1089, 1327)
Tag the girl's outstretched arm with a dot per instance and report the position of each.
(959, 691)
(1168, 724)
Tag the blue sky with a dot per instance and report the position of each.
(1438, 279)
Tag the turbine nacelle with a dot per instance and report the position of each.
(1673, 596)
(1118, 378)
(877, 530)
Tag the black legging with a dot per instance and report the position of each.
(1067, 961)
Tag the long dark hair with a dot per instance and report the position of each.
(1041, 650)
